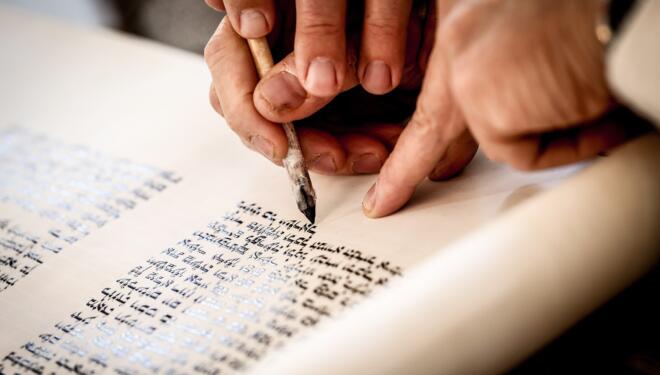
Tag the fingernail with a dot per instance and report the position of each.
(321, 77)
(213, 5)
(253, 24)
(283, 91)
(324, 163)
(377, 77)
(264, 146)
(366, 163)
(370, 199)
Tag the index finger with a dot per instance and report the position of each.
(436, 123)
(320, 45)
(234, 79)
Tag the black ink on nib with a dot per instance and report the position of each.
(310, 213)
(306, 203)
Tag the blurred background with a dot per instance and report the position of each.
(622, 337)
(185, 24)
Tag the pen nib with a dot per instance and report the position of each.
(310, 213)
(306, 200)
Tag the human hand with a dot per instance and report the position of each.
(525, 77)
(346, 129)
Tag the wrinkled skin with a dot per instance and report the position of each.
(349, 132)
(525, 78)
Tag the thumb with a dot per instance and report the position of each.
(280, 97)
(433, 128)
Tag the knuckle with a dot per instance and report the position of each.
(232, 123)
(235, 116)
(215, 102)
(595, 104)
(520, 162)
(442, 121)
(423, 120)
(493, 153)
(311, 25)
(383, 26)
(216, 49)
(524, 165)
(456, 29)
(511, 155)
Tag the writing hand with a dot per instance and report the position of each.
(346, 129)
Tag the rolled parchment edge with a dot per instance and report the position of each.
(494, 297)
